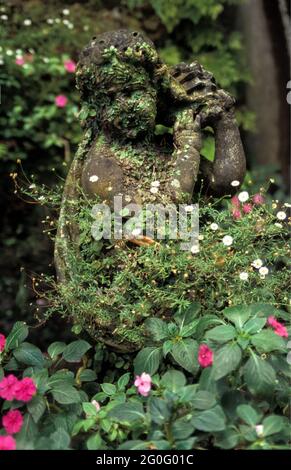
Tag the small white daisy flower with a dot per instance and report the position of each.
(70, 26)
(66, 11)
(263, 271)
(1, 61)
(257, 263)
(189, 208)
(4, 17)
(214, 226)
(154, 190)
(227, 240)
(155, 184)
(66, 22)
(243, 196)
(235, 183)
(243, 276)
(9, 52)
(281, 215)
(194, 249)
(259, 429)
(175, 183)
(200, 237)
(50, 21)
(93, 178)
(27, 22)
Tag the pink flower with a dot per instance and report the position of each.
(236, 214)
(2, 342)
(7, 443)
(61, 101)
(279, 328)
(25, 389)
(247, 208)
(258, 199)
(205, 356)
(143, 384)
(20, 61)
(70, 66)
(7, 387)
(96, 404)
(235, 201)
(12, 421)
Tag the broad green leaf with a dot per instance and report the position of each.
(272, 424)
(182, 428)
(89, 409)
(147, 360)
(203, 400)
(227, 439)
(87, 375)
(254, 325)
(108, 388)
(76, 350)
(135, 445)
(187, 316)
(17, 335)
(237, 315)
(189, 330)
(61, 378)
(226, 359)
(66, 395)
(36, 407)
(56, 348)
(221, 334)
(159, 410)
(173, 380)
(210, 420)
(123, 381)
(94, 442)
(60, 439)
(157, 328)
(248, 414)
(29, 354)
(259, 375)
(267, 341)
(185, 353)
(127, 413)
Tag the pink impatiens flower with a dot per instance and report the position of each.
(20, 61)
(61, 101)
(279, 328)
(7, 387)
(7, 443)
(2, 342)
(12, 421)
(143, 384)
(70, 66)
(236, 214)
(235, 201)
(258, 199)
(205, 356)
(25, 389)
(247, 208)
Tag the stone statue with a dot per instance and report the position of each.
(126, 90)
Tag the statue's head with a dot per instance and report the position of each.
(116, 76)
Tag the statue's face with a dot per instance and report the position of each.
(131, 108)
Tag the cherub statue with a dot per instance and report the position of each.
(126, 90)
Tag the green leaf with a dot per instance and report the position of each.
(227, 439)
(56, 348)
(36, 407)
(267, 341)
(61, 378)
(203, 400)
(134, 445)
(87, 375)
(272, 424)
(29, 354)
(185, 353)
(167, 346)
(66, 395)
(254, 325)
(248, 414)
(237, 315)
(108, 388)
(173, 380)
(127, 413)
(94, 442)
(159, 410)
(76, 350)
(147, 360)
(157, 328)
(182, 428)
(123, 381)
(187, 316)
(221, 334)
(17, 335)
(189, 330)
(226, 359)
(210, 420)
(60, 439)
(89, 409)
(260, 376)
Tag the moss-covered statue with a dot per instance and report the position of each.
(109, 288)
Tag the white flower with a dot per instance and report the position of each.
(277, 224)
(189, 208)
(136, 232)
(175, 183)
(32, 186)
(259, 429)
(50, 21)
(27, 22)
(154, 190)
(227, 240)
(156, 184)
(66, 22)
(9, 52)
(194, 249)
(257, 263)
(235, 183)
(66, 11)
(93, 178)
(57, 20)
(70, 26)
(281, 215)
(263, 271)
(243, 196)
(214, 227)
(4, 17)
(243, 276)
(200, 237)
(18, 51)
(287, 204)
(1, 61)
(46, 60)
